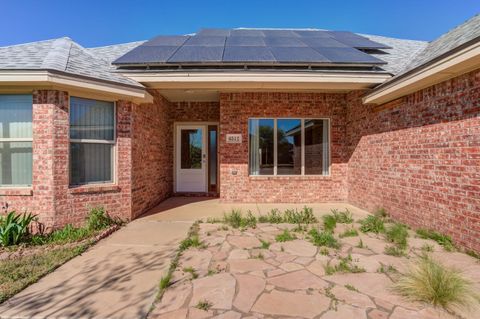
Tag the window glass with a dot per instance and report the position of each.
(92, 140)
(261, 146)
(191, 149)
(289, 147)
(16, 134)
(316, 147)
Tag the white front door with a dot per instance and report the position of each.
(191, 158)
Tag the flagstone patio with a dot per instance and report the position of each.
(239, 279)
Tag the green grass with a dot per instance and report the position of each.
(290, 216)
(394, 250)
(472, 253)
(329, 223)
(165, 281)
(265, 244)
(18, 273)
(235, 219)
(204, 305)
(351, 287)
(372, 224)
(397, 234)
(191, 241)
(351, 232)
(191, 271)
(443, 240)
(324, 251)
(273, 217)
(427, 248)
(430, 281)
(323, 239)
(387, 269)
(343, 217)
(285, 236)
(345, 265)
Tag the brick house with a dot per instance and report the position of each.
(248, 115)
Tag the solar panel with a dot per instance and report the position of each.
(213, 41)
(347, 55)
(214, 32)
(247, 33)
(147, 54)
(247, 54)
(284, 42)
(322, 42)
(279, 33)
(198, 54)
(312, 33)
(245, 41)
(291, 55)
(176, 40)
(356, 41)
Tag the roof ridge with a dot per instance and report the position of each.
(114, 45)
(32, 42)
(58, 55)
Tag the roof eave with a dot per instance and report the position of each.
(455, 62)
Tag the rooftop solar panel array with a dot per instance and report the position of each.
(261, 46)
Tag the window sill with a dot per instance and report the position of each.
(94, 188)
(16, 191)
(290, 177)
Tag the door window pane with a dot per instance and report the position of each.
(316, 147)
(91, 119)
(191, 149)
(212, 158)
(15, 163)
(261, 146)
(91, 163)
(289, 147)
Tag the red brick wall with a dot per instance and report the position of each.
(419, 157)
(50, 196)
(237, 108)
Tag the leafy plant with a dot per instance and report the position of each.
(351, 232)
(373, 224)
(285, 236)
(329, 223)
(397, 234)
(323, 238)
(343, 217)
(394, 250)
(165, 281)
(324, 251)
(98, 219)
(265, 244)
(442, 240)
(305, 216)
(273, 217)
(204, 305)
(430, 281)
(191, 271)
(191, 241)
(351, 287)
(15, 227)
(236, 220)
(345, 265)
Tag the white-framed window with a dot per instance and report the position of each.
(16, 140)
(92, 141)
(289, 146)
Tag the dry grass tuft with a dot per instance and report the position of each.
(430, 281)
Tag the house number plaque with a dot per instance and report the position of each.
(234, 138)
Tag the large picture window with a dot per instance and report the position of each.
(92, 141)
(15, 140)
(289, 146)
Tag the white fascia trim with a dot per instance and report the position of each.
(12, 78)
(252, 79)
(456, 64)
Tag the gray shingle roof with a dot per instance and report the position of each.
(110, 53)
(62, 55)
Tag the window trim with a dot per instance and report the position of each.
(19, 139)
(113, 142)
(275, 141)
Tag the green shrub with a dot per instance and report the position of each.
(265, 244)
(351, 232)
(14, 228)
(285, 236)
(329, 223)
(305, 216)
(397, 234)
(234, 218)
(273, 217)
(191, 241)
(98, 219)
(373, 224)
(430, 281)
(342, 217)
(249, 221)
(442, 240)
(323, 238)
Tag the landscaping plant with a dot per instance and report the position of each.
(373, 224)
(442, 240)
(14, 228)
(343, 217)
(285, 236)
(329, 223)
(323, 239)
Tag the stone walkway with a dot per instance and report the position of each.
(234, 278)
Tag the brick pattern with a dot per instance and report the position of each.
(419, 157)
(235, 183)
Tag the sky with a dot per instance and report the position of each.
(104, 22)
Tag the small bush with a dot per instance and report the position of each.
(234, 218)
(192, 241)
(323, 239)
(285, 236)
(351, 232)
(265, 244)
(98, 219)
(442, 240)
(305, 216)
(14, 228)
(430, 281)
(329, 223)
(342, 217)
(204, 305)
(373, 224)
(397, 234)
(273, 217)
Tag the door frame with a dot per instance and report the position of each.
(205, 125)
